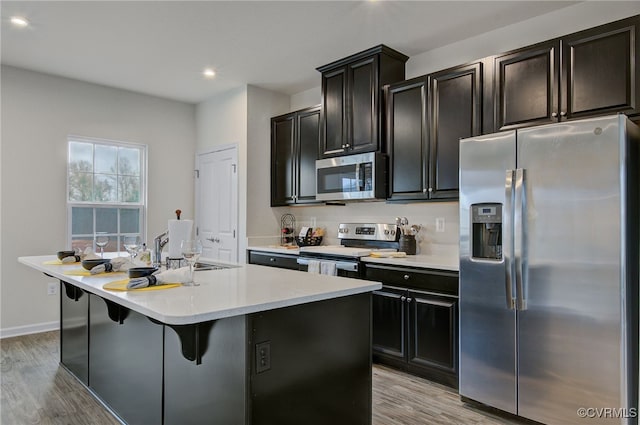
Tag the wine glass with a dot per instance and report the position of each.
(102, 240)
(191, 250)
(131, 244)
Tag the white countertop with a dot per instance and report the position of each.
(275, 249)
(222, 293)
(438, 262)
(439, 259)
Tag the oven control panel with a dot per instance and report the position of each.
(369, 231)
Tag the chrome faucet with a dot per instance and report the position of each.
(158, 244)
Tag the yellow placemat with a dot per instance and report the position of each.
(82, 272)
(384, 254)
(57, 263)
(121, 285)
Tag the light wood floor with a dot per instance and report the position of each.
(37, 390)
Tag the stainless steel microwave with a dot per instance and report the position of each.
(353, 177)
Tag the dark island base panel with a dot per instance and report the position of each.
(306, 364)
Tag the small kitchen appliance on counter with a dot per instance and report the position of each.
(356, 240)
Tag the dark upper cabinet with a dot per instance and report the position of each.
(588, 73)
(426, 117)
(455, 112)
(294, 150)
(526, 86)
(599, 73)
(350, 119)
(407, 139)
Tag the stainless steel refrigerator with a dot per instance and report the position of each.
(549, 253)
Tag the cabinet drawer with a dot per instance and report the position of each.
(428, 280)
(273, 260)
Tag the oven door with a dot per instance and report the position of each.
(343, 268)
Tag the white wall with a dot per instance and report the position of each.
(565, 21)
(38, 112)
(242, 116)
(262, 105)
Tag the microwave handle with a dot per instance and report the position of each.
(360, 173)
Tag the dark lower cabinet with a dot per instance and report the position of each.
(433, 333)
(413, 329)
(282, 261)
(74, 330)
(125, 358)
(389, 315)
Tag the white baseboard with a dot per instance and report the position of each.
(29, 329)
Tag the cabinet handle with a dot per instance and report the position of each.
(430, 189)
(347, 145)
(424, 190)
(563, 113)
(409, 299)
(553, 114)
(273, 260)
(406, 277)
(403, 298)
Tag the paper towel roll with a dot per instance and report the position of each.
(179, 230)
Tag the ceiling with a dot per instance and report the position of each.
(161, 47)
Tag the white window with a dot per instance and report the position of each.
(106, 191)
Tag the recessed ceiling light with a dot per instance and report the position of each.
(209, 73)
(19, 21)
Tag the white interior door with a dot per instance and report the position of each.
(217, 204)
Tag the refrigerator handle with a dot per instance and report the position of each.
(507, 238)
(520, 238)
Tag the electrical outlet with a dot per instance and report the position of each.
(440, 224)
(263, 356)
(52, 288)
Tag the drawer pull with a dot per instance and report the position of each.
(406, 277)
(272, 259)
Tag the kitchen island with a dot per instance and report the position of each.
(249, 345)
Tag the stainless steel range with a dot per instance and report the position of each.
(357, 240)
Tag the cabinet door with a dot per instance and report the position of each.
(407, 144)
(456, 103)
(526, 86)
(308, 124)
(282, 160)
(362, 114)
(599, 72)
(273, 260)
(334, 126)
(389, 322)
(125, 361)
(433, 331)
(74, 330)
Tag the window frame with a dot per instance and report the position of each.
(142, 204)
